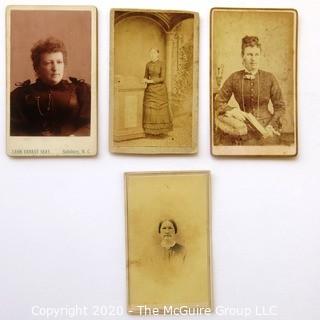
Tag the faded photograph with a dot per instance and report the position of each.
(51, 53)
(253, 82)
(171, 249)
(153, 81)
(168, 239)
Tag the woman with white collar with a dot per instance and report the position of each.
(171, 249)
(252, 88)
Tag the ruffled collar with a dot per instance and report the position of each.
(168, 244)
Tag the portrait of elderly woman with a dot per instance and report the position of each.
(251, 122)
(52, 105)
(167, 230)
(253, 82)
(168, 238)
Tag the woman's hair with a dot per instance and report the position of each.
(250, 41)
(48, 45)
(173, 223)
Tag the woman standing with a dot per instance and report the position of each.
(156, 114)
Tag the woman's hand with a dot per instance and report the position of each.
(271, 131)
(236, 113)
(145, 80)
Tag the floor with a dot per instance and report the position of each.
(180, 136)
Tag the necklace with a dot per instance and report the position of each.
(49, 104)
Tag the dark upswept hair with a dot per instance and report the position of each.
(173, 223)
(48, 45)
(250, 41)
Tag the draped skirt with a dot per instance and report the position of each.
(156, 115)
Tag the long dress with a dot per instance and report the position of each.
(156, 114)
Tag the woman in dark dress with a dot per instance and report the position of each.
(171, 249)
(156, 114)
(51, 106)
(251, 122)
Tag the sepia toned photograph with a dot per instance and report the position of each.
(153, 81)
(168, 242)
(254, 82)
(51, 81)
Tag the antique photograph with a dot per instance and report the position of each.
(254, 82)
(168, 240)
(51, 81)
(153, 81)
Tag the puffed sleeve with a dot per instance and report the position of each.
(224, 95)
(84, 97)
(278, 103)
(162, 74)
(18, 122)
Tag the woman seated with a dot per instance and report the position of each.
(156, 113)
(251, 122)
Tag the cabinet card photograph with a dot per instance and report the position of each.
(153, 81)
(168, 242)
(253, 82)
(51, 81)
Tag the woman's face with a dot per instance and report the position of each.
(51, 68)
(167, 230)
(251, 58)
(154, 55)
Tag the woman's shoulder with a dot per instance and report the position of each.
(22, 87)
(178, 247)
(80, 85)
(77, 81)
(236, 75)
(266, 74)
(28, 86)
(239, 75)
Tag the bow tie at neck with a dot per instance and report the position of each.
(249, 75)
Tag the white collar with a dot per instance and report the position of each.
(251, 72)
(168, 244)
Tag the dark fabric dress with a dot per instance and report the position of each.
(156, 114)
(253, 95)
(175, 252)
(40, 110)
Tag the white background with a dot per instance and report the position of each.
(62, 226)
